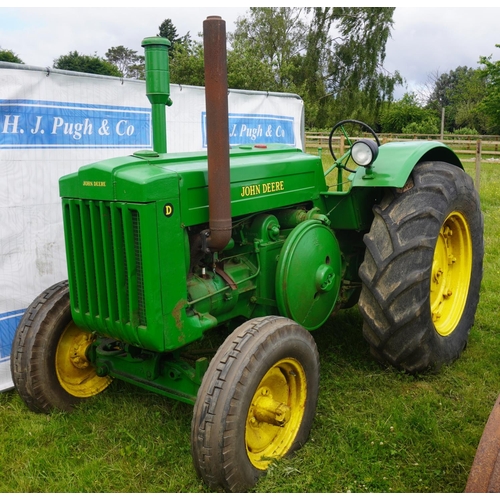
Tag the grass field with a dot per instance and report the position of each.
(376, 430)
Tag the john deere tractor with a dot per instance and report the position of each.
(163, 248)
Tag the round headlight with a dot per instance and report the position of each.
(364, 152)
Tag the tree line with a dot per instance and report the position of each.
(333, 58)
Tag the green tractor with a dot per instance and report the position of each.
(163, 248)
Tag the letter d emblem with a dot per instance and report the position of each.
(168, 210)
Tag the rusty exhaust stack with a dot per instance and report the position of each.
(219, 197)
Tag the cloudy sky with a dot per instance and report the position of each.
(425, 40)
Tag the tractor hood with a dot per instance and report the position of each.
(130, 178)
(262, 177)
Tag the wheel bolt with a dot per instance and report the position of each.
(438, 275)
(436, 316)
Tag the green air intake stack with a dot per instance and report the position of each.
(158, 87)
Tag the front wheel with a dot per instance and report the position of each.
(49, 362)
(256, 403)
(422, 270)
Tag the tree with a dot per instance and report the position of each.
(460, 92)
(187, 64)
(355, 74)
(292, 49)
(405, 116)
(276, 35)
(491, 103)
(310, 68)
(128, 62)
(138, 70)
(427, 126)
(244, 67)
(9, 56)
(73, 61)
(246, 70)
(168, 30)
(336, 76)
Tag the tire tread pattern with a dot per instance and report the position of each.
(216, 441)
(35, 340)
(396, 272)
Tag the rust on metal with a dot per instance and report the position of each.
(219, 198)
(176, 313)
(484, 476)
(226, 278)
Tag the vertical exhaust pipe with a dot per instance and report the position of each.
(217, 125)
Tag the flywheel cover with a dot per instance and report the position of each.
(309, 274)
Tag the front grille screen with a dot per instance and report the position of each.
(105, 261)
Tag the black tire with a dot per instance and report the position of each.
(246, 375)
(409, 249)
(48, 363)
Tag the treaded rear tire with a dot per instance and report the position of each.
(396, 272)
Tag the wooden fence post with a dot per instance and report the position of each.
(478, 164)
(442, 124)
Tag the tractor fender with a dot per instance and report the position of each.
(396, 160)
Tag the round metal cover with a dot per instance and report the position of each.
(308, 274)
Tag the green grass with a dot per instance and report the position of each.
(376, 430)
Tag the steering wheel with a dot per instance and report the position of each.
(341, 126)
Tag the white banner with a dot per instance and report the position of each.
(52, 122)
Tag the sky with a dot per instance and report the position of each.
(425, 41)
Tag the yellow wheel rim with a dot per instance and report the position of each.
(76, 375)
(275, 413)
(451, 273)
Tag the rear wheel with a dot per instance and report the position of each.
(256, 403)
(49, 364)
(422, 269)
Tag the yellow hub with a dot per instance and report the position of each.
(276, 412)
(76, 375)
(451, 273)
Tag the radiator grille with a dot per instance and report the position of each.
(105, 261)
